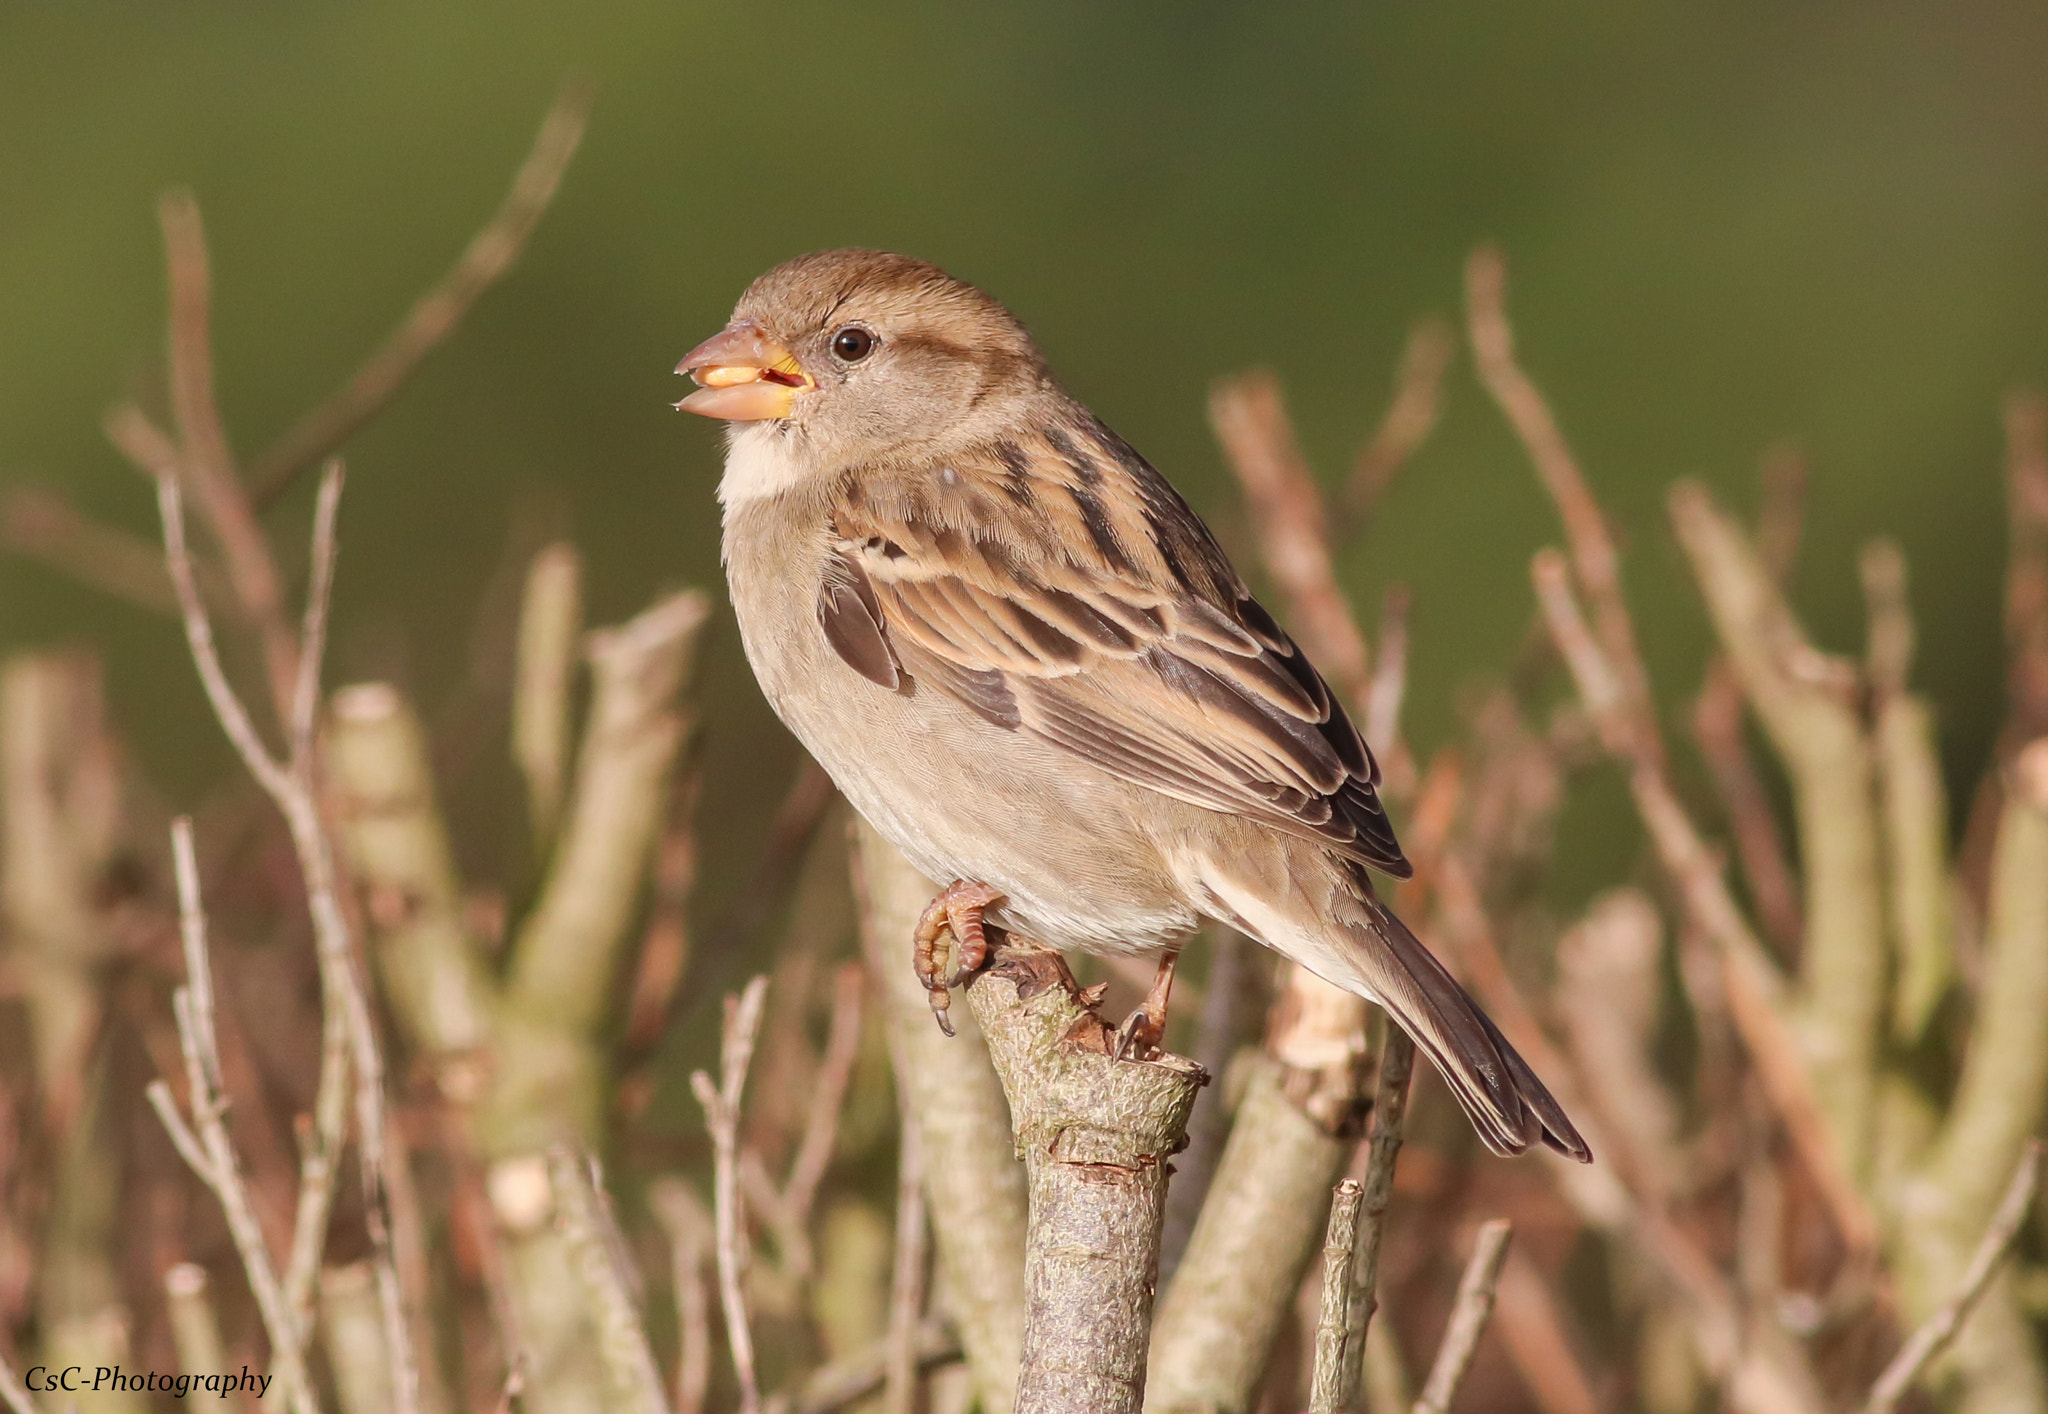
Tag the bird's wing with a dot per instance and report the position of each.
(1058, 586)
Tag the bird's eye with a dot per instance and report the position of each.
(853, 343)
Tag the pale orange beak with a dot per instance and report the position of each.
(742, 376)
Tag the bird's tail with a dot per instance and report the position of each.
(1498, 1091)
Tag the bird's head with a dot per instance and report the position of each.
(861, 353)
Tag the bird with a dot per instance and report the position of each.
(1025, 659)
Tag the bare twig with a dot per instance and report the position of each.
(1468, 1317)
(1940, 1328)
(1533, 1328)
(204, 1143)
(1753, 986)
(1410, 417)
(12, 1390)
(1592, 544)
(1333, 1327)
(1296, 1123)
(721, 1104)
(821, 1124)
(581, 1216)
(1759, 842)
(1389, 1128)
(1287, 511)
(349, 1044)
(906, 1279)
(550, 623)
(491, 252)
(848, 1381)
(1095, 1135)
(205, 464)
(691, 1237)
(195, 1327)
(804, 804)
(42, 523)
(971, 1171)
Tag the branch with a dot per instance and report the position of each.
(399, 853)
(692, 1236)
(562, 959)
(44, 524)
(1287, 512)
(2002, 1093)
(550, 623)
(1940, 1328)
(846, 1382)
(1410, 417)
(1808, 705)
(1389, 1129)
(352, 1318)
(1592, 545)
(204, 463)
(1333, 1323)
(1468, 1317)
(348, 1038)
(12, 1390)
(583, 1219)
(1297, 1122)
(721, 1104)
(971, 1170)
(195, 1326)
(1095, 1135)
(491, 252)
(204, 1144)
(906, 1279)
(1913, 800)
(1752, 984)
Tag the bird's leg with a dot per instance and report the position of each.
(955, 914)
(1144, 1030)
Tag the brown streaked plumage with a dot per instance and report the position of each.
(1025, 659)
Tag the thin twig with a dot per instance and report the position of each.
(585, 1225)
(1286, 505)
(550, 628)
(1940, 1328)
(906, 1278)
(833, 1387)
(821, 1124)
(1410, 417)
(1468, 1317)
(12, 1390)
(1753, 986)
(205, 463)
(1592, 544)
(1389, 1128)
(721, 1104)
(690, 1236)
(313, 627)
(490, 253)
(204, 1144)
(1333, 1326)
(349, 1045)
(803, 806)
(44, 524)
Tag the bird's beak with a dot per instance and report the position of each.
(742, 376)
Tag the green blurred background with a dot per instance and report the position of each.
(1726, 224)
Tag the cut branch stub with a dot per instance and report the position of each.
(1095, 1136)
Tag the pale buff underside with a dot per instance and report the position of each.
(965, 799)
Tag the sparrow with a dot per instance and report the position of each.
(1022, 656)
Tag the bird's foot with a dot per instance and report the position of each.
(1143, 1034)
(954, 915)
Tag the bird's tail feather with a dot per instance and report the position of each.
(1498, 1091)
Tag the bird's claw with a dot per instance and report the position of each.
(951, 923)
(1139, 1036)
